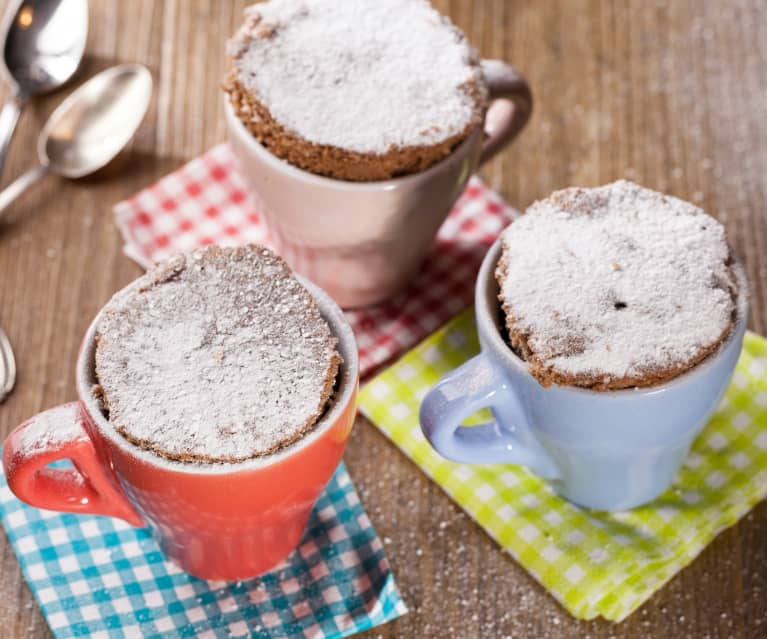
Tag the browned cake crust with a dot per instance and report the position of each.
(264, 26)
(332, 161)
(547, 374)
(305, 428)
(616, 287)
(114, 375)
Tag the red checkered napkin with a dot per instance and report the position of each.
(205, 202)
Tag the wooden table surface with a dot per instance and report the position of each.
(670, 93)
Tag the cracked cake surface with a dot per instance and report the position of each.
(219, 355)
(360, 90)
(615, 287)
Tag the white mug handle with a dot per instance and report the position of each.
(511, 103)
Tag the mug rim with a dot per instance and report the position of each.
(486, 304)
(347, 381)
(237, 127)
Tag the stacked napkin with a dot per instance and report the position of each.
(99, 577)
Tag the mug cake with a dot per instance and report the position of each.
(220, 355)
(362, 91)
(615, 287)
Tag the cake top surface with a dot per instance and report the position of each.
(218, 355)
(616, 282)
(361, 75)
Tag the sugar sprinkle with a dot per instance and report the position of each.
(364, 76)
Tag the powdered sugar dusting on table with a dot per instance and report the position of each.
(619, 281)
(364, 76)
(219, 355)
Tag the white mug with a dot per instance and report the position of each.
(363, 242)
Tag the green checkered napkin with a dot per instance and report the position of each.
(595, 564)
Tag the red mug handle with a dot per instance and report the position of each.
(59, 433)
(511, 103)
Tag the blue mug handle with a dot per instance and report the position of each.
(469, 388)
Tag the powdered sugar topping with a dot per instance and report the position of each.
(617, 282)
(220, 355)
(53, 429)
(361, 75)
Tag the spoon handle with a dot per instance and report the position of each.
(19, 185)
(8, 370)
(9, 116)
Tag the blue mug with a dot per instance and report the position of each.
(607, 450)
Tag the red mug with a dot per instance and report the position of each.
(216, 521)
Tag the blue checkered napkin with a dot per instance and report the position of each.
(98, 577)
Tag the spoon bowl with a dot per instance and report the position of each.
(44, 44)
(90, 127)
(93, 125)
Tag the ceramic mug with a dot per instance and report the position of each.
(609, 450)
(364, 241)
(216, 521)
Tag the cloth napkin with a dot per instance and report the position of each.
(99, 577)
(595, 564)
(206, 202)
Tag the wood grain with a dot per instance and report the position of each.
(668, 93)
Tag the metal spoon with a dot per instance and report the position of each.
(90, 127)
(7, 367)
(44, 43)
